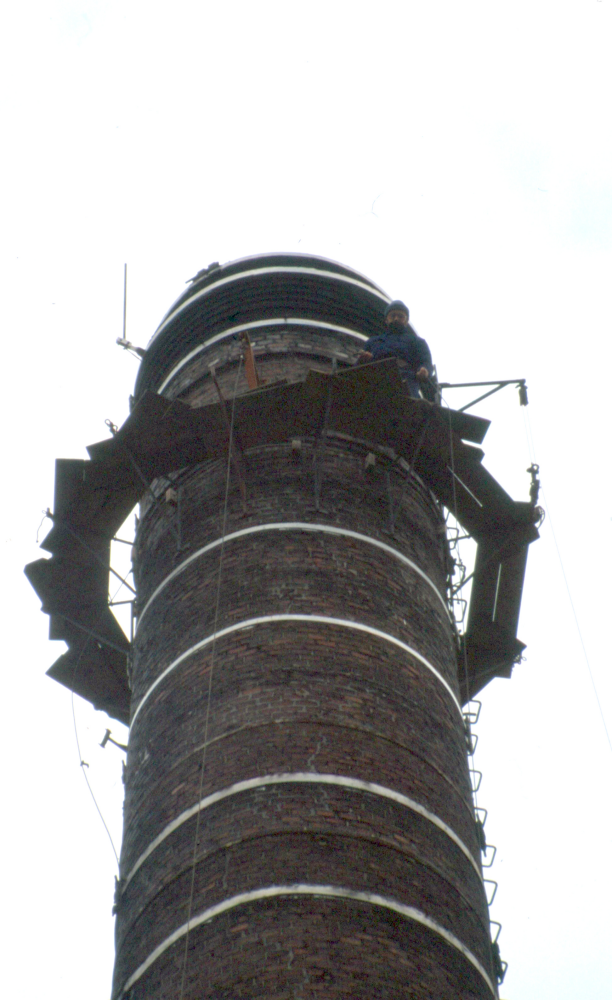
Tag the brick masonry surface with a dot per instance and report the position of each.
(323, 810)
(296, 697)
(286, 353)
(329, 949)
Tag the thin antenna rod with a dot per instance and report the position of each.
(124, 298)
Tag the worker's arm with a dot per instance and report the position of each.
(425, 363)
(365, 354)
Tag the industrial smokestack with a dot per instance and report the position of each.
(298, 815)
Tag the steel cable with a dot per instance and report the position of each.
(210, 682)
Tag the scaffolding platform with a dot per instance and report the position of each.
(367, 402)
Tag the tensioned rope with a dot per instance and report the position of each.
(531, 446)
(210, 682)
(82, 763)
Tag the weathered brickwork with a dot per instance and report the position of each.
(253, 750)
(323, 948)
(301, 672)
(286, 353)
(313, 858)
(280, 486)
(316, 806)
(328, 705)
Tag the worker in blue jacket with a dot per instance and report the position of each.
(398, 340)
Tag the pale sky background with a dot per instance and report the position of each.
(460, 155)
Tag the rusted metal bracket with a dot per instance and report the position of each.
(250, 365)
(235, 457)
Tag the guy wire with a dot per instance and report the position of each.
(210, 680)
(578, 629)
(530, 440)
(82, 763)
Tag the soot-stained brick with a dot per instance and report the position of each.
(296, 697)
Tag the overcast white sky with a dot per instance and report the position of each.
(459, 155)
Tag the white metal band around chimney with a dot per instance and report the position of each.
(326, 529)
(304, 889)
(310, 778)
(309, 619)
